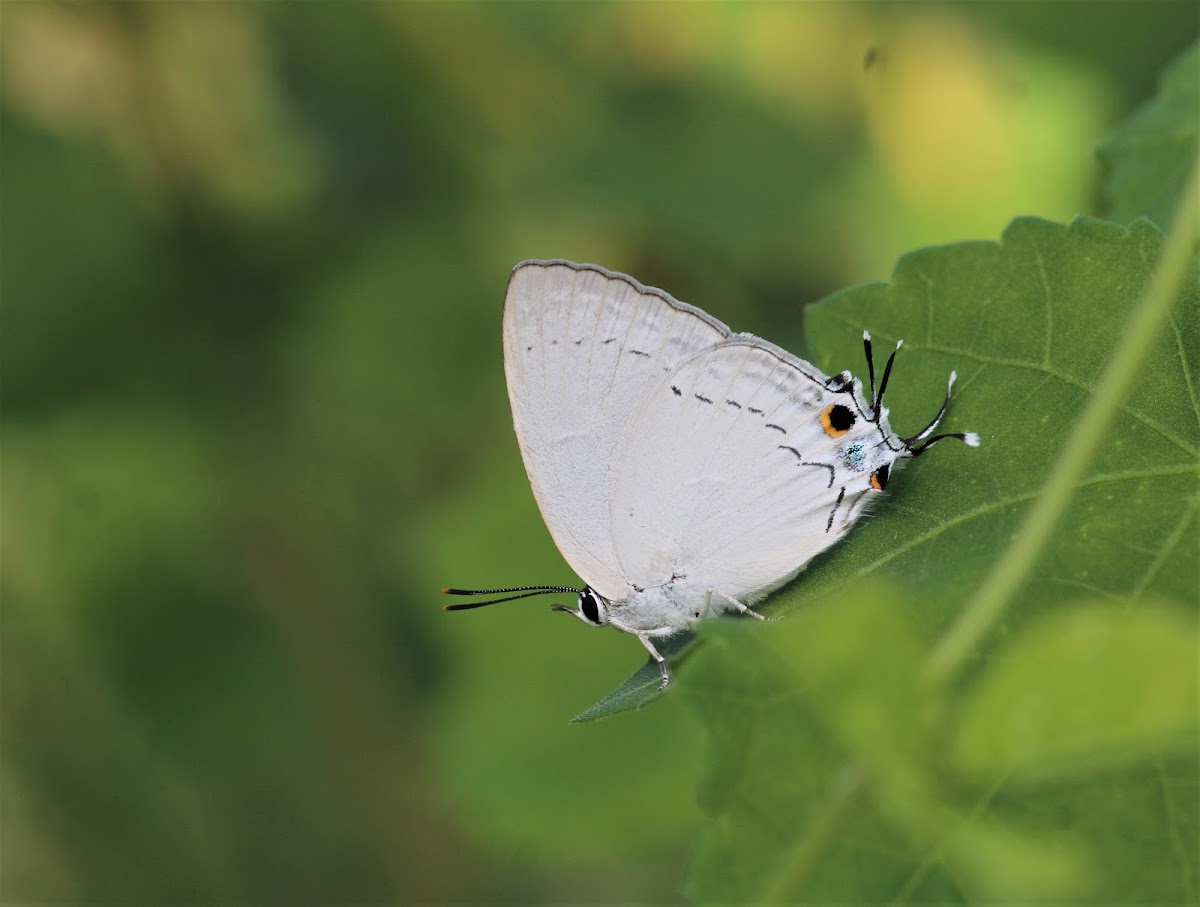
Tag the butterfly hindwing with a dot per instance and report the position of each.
(732, 475)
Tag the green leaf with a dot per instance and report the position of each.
(873, 709)
(769, 762)
(1147, 158)
(1029, 323)
(644, 685)
(1080, 689)
(784, 705)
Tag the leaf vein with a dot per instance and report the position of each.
(1080, 584)
(1047, 297)
(1186, 866)
(1050, 372)
(1187, 372)
(1167, 547)
(1074, 382)
(997, 506)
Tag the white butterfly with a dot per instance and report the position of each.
(683, 470)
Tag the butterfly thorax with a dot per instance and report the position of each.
(666, 608)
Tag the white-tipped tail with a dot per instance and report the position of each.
(953, 378)
(971, 439)
(866, 335)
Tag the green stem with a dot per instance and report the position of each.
(1143, 329)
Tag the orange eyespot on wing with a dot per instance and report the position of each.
(837, 420)
(879, 478)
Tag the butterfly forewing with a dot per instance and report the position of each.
(581, 346)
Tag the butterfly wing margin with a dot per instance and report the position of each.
(728, 477)
(581, 346)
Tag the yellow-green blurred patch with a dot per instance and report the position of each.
(1080, 689)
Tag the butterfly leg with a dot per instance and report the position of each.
(657, 656)
(744, 609)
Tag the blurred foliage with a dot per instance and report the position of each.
(252, 258)
(1148, 159)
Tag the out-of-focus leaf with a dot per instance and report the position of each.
(860, 661)
(641, 687)
(1147, 158)
(780, 703)
(69, 205)
(1081, 688)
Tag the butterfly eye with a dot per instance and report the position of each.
(837, 420)
(879, 478)
(589, 607)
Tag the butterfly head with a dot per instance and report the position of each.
(590, 608)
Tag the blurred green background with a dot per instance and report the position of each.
(252, 262)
